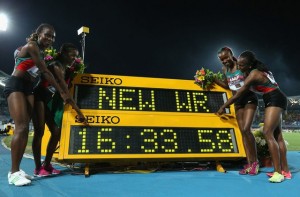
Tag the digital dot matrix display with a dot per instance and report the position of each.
(149, 140)
(148, 99)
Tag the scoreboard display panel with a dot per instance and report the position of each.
(146, 118)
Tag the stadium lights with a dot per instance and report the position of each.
(3, 22)
(83, 31)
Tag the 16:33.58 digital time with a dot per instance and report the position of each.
(150, 140)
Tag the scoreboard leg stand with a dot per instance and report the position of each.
(87, 170)
(219, 167)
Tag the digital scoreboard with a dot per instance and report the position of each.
(143, 118)
(141, 140)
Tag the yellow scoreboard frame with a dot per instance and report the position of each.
(142, 118)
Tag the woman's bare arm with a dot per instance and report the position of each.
(32, 49)
(59, 76)
(223, 83)
(253, 77)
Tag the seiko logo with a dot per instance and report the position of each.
(101, 80)
(102, 119)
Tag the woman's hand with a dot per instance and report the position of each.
(66, 97)
(220, 111)
(80, 118)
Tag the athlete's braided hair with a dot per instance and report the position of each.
(253, 62)
(66, 47)
(34, 35)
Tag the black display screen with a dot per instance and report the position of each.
(148, 99)
(150, 140)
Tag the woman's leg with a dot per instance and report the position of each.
(240, 120)
(245, 118)
(20, 109)
(271, 122)
(282, 148)
(55, 136)
(38, 120)
(249, 113)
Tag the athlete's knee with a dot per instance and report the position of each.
(21, 128)
(268, 133)
(246, 130)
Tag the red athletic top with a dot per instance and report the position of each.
(26, 64)
(269, 86)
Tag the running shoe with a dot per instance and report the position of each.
(17, 179)
(245, 170)
(52, 170)
(276, 178)
(41, 172)
(27, 176)
(254, 168)
(287, 175)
